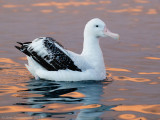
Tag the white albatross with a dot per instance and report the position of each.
(47, 59)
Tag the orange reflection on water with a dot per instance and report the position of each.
(11, 109)
(6, 89)
(131, 117)
(129, 10)
(12, 6)
(23, 58)
(118, 11)
(49, 119)
(154, 83)
(147, 109)
(117, 99)
(70, 107)
(62, 5)
(125, 78)
(11, 69)
(57, 106)
(153, 58)
(149, 73)
(118, 69)
(122, 89)
(49, 108)
(7, 60)
(142, 1)
(152, 11)
(74, 94)
(83, 107)
(15, 72)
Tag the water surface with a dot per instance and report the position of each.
(132, 89)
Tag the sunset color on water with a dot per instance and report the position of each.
(131, 90)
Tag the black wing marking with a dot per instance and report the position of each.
(24, 47)
(56, 57)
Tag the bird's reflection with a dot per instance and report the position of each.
(52, 92)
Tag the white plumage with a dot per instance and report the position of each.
(89, 65)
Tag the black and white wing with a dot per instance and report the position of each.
(48, 53)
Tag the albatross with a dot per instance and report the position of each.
(48, 59)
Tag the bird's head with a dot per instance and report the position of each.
(98, 28)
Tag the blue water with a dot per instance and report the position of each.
(57, 93)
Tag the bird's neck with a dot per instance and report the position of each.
(93, 54)
(91, 46)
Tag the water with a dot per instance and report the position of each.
(132, 89)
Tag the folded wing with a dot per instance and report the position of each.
(48, 53)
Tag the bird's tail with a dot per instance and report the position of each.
(23, 47)
(32, 65)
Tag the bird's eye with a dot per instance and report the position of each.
(97, 26)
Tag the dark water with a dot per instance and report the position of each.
(132, 64)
